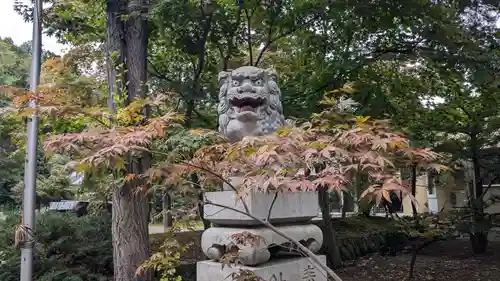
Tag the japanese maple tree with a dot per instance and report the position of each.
(325, 152)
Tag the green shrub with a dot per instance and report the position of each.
(68, 248)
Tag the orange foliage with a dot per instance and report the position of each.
(108, 148)
(51, 63)
(9, 91)
(323, 153)
(308, 157)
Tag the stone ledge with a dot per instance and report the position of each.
(289, 207)
(294, 269)
(309, 235)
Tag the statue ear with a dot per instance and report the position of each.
(272, 74)
(223, 76)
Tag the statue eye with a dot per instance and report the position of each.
(258, 82)
(235, 83)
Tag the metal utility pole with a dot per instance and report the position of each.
(29, 198)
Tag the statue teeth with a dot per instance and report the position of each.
(246, 108)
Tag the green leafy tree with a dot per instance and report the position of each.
(14, 71)
(51, 186)
(467, 122)
(446, 98)
(14, 64)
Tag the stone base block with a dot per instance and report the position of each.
(215, 239)
(289, 207)
(295, 269)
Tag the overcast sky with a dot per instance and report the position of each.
(12, 25)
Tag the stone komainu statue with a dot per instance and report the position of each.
(249, 103)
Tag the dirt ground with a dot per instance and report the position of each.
(447, 260)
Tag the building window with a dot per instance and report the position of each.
(430, 184)
(453, 198)
(432, 181)
(431, 190)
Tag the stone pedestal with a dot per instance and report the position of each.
(273, 258)
(291, 212)
(295, 269)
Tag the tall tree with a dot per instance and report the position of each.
(14, 71)
(466, 124)
(448, 95)
(127, 44)
(14, 64)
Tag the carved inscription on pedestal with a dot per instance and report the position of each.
(277, 277)
(309, 273)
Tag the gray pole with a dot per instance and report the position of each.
(32, 143)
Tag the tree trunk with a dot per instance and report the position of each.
(478, 236)
(357, 190)
(479, 242)
(167, 210)
(414, 207)
(344, 204)
(115, 47)
(414, 188)
(201, 210)
(127, 45)
(329, 237)
(206, 223)
(130, 233)
(365, 206)
(136, 38)
(476, 167)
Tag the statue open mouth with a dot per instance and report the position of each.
(246, 104)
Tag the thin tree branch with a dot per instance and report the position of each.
(249, 35)
(268, 40)
(370, 58)
(231, 38)
(193, 166)
(272, 205)
(197, 70)
(208, 171)
(201, 7)
(221, 51)
(489, 186)
(193, 65)
(183, 96)
(485, 191)
(203, 42)
(157, 73)
(199, 168)
(350, 37)
(220, 178)
(271, 40)
(304, 249)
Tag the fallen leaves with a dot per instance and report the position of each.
(447, 260)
